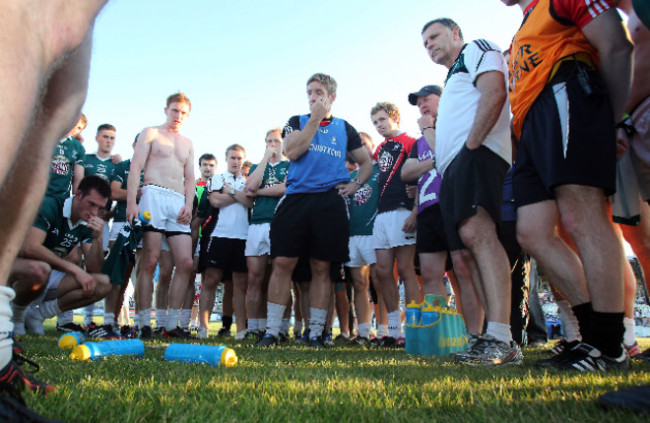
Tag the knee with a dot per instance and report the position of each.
(103, 285)
(148, 263)
(40, 272)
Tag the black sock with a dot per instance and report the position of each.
(226, 322)
(584, 313)
(610, 329)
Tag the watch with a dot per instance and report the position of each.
(358, 182)
(232, 191)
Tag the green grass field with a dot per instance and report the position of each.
(294, 383)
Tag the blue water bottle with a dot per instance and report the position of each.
(429, 315)
(95, 350)
(144, 217)
(70, 340)
(214, 355)
(413, 313)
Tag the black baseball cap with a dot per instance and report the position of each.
(424, 91)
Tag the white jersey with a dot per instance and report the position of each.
(233, 219)
(459, 103)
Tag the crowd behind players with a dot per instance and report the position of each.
(328, 223)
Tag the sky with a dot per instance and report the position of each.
(244, 64)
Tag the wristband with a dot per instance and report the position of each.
(428, 127)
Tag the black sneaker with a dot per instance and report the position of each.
(388, 342)
(103, 331)
(317, 343)
(177, 333)
(267, 341)
(129, 331)
(327, 339)
(70, 327)
(304, 339)
(361, 341)
(13, 379)
(145, 332)
(158, 331)
(224, 333)
(634, 399)
(14, 410)
(255, 335)
(562, 346)
(488, 351)
(585, 358)
(283, 337)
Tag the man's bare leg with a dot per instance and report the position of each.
(279, 296)
(166, 267)
(181, 249)
(150, 255)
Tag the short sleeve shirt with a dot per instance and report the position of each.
(67, 153)
(62, 236)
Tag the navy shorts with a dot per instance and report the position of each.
(315, 225)
(474, 178)
(568, 137)
(431, 237)
(226, 254)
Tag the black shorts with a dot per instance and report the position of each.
(302, 271)
(226, 254)
(315, 225)
(473, 178)
(568, 137)
(430, 237)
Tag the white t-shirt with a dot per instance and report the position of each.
(459, 103)
(233, 219)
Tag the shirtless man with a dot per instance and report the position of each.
(166, 157)
(44, 71)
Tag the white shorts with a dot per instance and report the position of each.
(115, 230)
(164, 206)
(51, 289)
(388, 231)
(362, 251)
(258, 242)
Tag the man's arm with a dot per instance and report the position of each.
(361, 156)
(276, 190)
(140, 154)
(297, 142)
(492, 87)
(78, 174)
(185, 214)
(94, 252)
(607, 33)
(257, 176)
(117, 192)
(413, 169)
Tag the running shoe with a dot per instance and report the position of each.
(145, 332)
(202, 333)
(103, 332)
(176, 333)
(585, 358)
(304, 339)
(361, 341)
(224, 333)
(158, 331)
(317, 343)
(267, 341)
(633, 351)
(562, 346)
(327, 339)
(13, 379)
(70, 327)
(488, 351)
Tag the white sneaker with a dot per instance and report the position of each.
(202, 333)
(240, 336)
(34, 321)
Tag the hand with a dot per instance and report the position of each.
(184, 216)
(347, 189)
(132, 212)
(270, 152)
(116, 158)
(426, 120)
(411, 191)
(622, 143)
(471, 146)
(410, 224)
(97, 225)
(320, 108)
(86, 281)
(251, 194)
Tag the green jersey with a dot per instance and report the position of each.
(264, 206)
(95, 165)
(66, 154)
(363, 204)
(62, 236)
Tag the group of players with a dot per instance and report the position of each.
(567, 83)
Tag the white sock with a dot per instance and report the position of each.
(6, 326)
(261, 325)
(317, 322)
(49, 309)
(364, 329)
(109, 319)
(172, 319)
(144, 318)
(629, 338)
(285, 326)
(65, 317)
(18, 313)
(382, 331)
(136, 319)
(569, 322)
(161, 317)
(253, 325)
(186, 318)
(297, 327)
(499, 331)
(274, 318)
(394, 324)
(89, 311)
